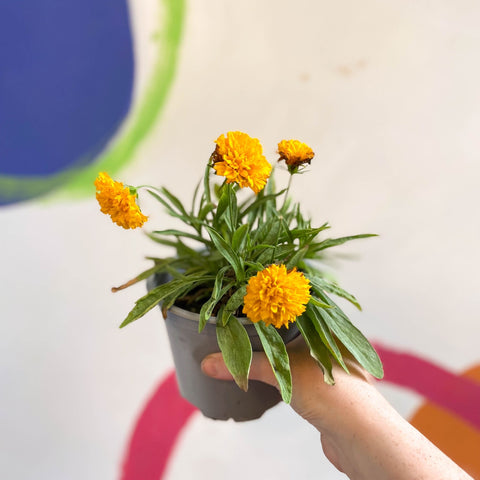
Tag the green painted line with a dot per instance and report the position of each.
(78, 181)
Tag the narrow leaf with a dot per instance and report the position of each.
(224, 317)
(322, 329)
(297, 258)
(205, 210)
(352, 338)
(179, 233)
(145, 274)
(235, 300)
(221, 207)
(217, 293)
(236, 349)
(308, 232)
(277, 356)
(317, 348)
(332, 242)
(232, 210)
(320, 284)
(239, 237)
(206, 184)
(315, 301)
(153, 298)
(271, 239)
(259, 200)
(226, 250)
(175, 201)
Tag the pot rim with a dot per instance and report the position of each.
(195, 317)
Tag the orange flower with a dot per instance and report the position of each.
(239, 158)
(276, 296)
(295, 154)
(118, 202)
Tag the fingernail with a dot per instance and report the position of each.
(209, 367)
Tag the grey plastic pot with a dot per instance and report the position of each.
(216, 399)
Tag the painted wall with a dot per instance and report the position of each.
(386, 95)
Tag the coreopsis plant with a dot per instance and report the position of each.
(257, 257)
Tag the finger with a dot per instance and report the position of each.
(262, 370)
(214, 366)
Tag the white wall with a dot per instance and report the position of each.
(386, 93)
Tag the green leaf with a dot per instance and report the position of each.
(221, 207)
(315, 301)
(308, 232)
(217, 293)
(317, 348)
(239, 237)
(231, 216)
(205, 210)
(159, 266)
(285, 222)
(227, 252)
(162, 201)
(320, 284)
(267, 232)
(206, 184)
(155, 296)
(224, 317)
(170, 300)
(332, 242)
(235, 301)
(179, 233)
(277, 355)
(270, 239)
(217, 287)
(255, 266)
(352, 338)
(175, 201)
(236, 349)
(162, 241)
(194, 198)
(297, 258)
(189, 220)
(315, 315)
(258, 202)
(206, 313)
(185, 252)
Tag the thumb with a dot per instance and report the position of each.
(214, 366)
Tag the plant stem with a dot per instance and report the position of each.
(286, 193)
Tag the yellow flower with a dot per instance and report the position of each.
(276, 296)
(118, 202)
(295, 154)
(239, 158)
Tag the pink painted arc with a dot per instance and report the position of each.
(459, 395)
(156, 432)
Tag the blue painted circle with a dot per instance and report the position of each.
(66, 79)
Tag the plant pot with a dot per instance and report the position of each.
(216, 399)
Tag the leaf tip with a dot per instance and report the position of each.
(242, 383)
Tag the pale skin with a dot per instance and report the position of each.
(361, 433)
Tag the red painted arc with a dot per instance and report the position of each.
(166, 412)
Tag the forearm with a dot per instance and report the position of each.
(362, 434)
(375, 442)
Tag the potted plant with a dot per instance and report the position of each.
(245, 273)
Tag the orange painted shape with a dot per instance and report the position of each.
(457, 438)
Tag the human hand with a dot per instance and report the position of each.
(327, 408)
(362, 435)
